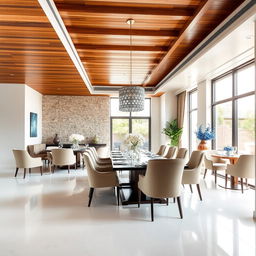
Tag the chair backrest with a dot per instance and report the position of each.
(22, 158)
(163, 177)
(161, 150)
(63, 156)
(244, 166)
(93, 155)
(182, 153)
(196, 159)
(171, 152)
(36, 149)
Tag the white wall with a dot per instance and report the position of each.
(16, 102)
(168, 109)
(155, 124)
(12, 108)
(33, 103)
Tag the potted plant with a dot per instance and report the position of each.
(204, 135)
(173, 132)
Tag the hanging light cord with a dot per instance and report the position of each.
(130, 52)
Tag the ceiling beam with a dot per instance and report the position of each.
(121, 48)
(163, 64)
(164, 11)
(125, 32)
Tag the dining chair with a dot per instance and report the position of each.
(103, 160)
(243, 168)
(63, 157)
(161, 150)
(162, 180)
(182, 153)
(191, 174)
(99, 179)
(100, 167)
(171, 152)
(24, 160)
(215, 164)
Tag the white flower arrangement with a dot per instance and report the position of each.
(134, 141)
(75, 138)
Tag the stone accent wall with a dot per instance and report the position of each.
(86, 115)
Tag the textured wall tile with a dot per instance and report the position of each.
(86, 115)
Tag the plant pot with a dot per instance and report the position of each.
(202, 145)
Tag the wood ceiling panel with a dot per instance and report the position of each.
(163, 34)
(31, 52)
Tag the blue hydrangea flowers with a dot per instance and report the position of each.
(205, 134)
(228, 148)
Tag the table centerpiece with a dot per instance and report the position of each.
(228, 150)
(134, 142)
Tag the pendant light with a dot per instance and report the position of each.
(131, 98)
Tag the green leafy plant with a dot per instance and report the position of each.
(173, 132)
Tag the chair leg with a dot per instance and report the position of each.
(68, 168)
(24, 173)
(226, 180)
(246, 182)
(199, 192)
(191, 188)
(118, 194)
(53, 169)
(215, 174)
(41, 170)
(152, 209)
(90, 196)
(75, 167)
(167, 201)
(180, 208)
(242, 185)
(16, 172)
(174, 199)
(205, 173)
(29, 169)
(139, 197)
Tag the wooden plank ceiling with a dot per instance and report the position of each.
(165, 31)
(31, 52)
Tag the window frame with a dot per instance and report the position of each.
(232, 99)
(190, 111)
(130, 118)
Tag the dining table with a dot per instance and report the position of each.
(234, 184)
(129, 190)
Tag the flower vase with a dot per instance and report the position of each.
(75, 145)
(202, 145)
(228, 153)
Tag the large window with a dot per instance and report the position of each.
(233, 109)
(123, 123)
(192, 106)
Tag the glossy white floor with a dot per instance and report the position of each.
(49, 216)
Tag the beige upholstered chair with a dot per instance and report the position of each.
(215, 164)
(162, 180)
(244, 168)
(100, 160)
(37, 150)
(24, 160)
(62, 157)
(99, 179)
(161, 150)
(171, 152)
(182, 153)
(191, 174)
(100, 167)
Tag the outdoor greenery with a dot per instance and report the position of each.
(173, 132)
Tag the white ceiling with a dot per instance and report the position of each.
(234, 49)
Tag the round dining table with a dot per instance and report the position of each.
(233, 180)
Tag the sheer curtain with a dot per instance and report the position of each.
(181, 104)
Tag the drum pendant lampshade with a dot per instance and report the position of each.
(131, 98)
